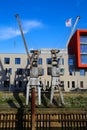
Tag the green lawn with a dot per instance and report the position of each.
(16, 100)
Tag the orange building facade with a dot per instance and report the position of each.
(78, 47)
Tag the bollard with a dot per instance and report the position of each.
(33, 109)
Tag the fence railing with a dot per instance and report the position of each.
(43, 120)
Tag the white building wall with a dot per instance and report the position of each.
(45, 53)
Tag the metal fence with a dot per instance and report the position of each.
(45, 121)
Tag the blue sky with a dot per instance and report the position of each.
(43, 23)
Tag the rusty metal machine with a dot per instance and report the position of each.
(33, 79)
(55, 75)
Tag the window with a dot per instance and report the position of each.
(62, 84)
(19, 71)
(83, 39)
(20, 84)
(8, 71)
(47, 83)
(42, 71)
(58, 61)
(83, 48)
(74, 71)
(6, 83)
(40, 61)
(81, 84)
(17, 60)
(73, 84)
(28, 62)
(61, 71)
(84, 58)
(70, 61)
(49, 70)
(68, 84)
(70, 71)
(82, 72)
(27, 72)
(15, 83)
(6, 60)
(24, 84)
(49, 61)
(62, 61)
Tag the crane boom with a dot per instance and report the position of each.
(19, 23)
(78, 17)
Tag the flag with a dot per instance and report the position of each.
(68, 22)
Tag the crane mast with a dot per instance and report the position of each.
(77, 19)
(19, 23)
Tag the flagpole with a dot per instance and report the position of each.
(72, 30)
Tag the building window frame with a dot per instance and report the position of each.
(27, 72)
(42, 71)
(70, 71)
(68, 84)
(49, 70)
(20, 83)
(70, 62)
(6, 83)
(40, 61)
(28, 62)
(6, 60)
(19, 71)
(58, 61)
(62, 84)
(17, 60)
(49, 60)
(81, 84)
(62, 61)
(10, 70)
(73, 84)
(82, 72)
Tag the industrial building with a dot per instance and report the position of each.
(14, 68)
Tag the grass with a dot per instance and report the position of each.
(72, 100)
(76, 101)
(11, 100)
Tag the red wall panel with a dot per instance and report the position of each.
(74, 47)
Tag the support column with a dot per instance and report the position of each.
(39, 95)
(27, 94)
(51, 95)
(33, 109)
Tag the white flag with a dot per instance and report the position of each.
(68, 22)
